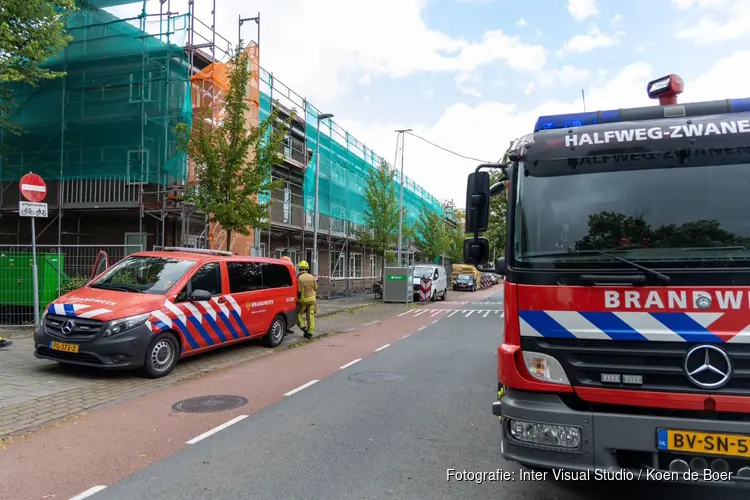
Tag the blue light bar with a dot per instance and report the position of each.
(571, 120)
(739, 105)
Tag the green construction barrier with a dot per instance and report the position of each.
(16, 285)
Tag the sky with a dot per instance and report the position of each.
(473, 75)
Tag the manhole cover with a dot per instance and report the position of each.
(209, 404)
(371, 377)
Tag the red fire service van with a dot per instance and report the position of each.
(152, 308)
(627, 290)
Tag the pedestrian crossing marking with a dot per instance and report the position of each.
(467, 302)
(466, 313)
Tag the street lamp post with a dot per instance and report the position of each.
(316, 216)
(401, 196)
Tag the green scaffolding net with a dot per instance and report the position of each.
(114, 115)
(345, 165)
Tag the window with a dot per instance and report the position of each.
(337, 264)
(355, 265)
(137, 168)
(373, 269)
(206, 278)
(140, 90)
(276, 276)
(244, 276)
(135, 242)
(153, 275)
(696, 215)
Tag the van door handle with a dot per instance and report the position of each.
(221, 300)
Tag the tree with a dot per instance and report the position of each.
(455, 246)
(31, 31)
(234, 164)
(430, 234)
(496, 230)
(381, 212)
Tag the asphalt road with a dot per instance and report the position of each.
(393, 437)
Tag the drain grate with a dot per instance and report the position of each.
(374, 377)
(209, 404)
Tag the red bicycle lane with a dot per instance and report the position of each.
(108, 444)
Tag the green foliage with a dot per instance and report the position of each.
(455, 245)
(31, 31)
(616, 230)
(496, 231)
(381, 214)
(233, 164)
(72, 284)
(430, 234)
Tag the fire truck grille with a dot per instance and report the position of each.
(652, 366)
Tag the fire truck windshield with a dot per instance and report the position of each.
(696, 215)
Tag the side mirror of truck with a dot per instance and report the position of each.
(476, 251)
(477, 202)
(500, 266)
(497, 189)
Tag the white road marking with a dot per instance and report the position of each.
(88, 493)
(454, 312)
(404, 336)
(485, 314)
(350, 363)
(406, 312)
(421, 328)
(421, 312)
(217, 429)
(382, 347)
(303, 386)
(435, 321)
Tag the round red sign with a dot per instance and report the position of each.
(33, 188)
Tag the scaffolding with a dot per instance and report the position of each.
(104, 136)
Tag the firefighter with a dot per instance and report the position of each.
(306, 301)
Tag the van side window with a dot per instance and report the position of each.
(276, 276)
(206, 278)
(244, 276)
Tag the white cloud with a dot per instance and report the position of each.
(483, 131)
(592, 40)
(582, 9)
(721, 20)
(322, 48)
(563, 77)
(521, 23)
(466, 84)
(616, 20)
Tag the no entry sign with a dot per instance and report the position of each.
(33, 188)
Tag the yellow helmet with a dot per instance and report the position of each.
(303, 265)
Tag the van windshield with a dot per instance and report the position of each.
(152, 275)
(695, 216)
(423, 272)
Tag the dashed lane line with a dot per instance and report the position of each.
(302, 387)
(350, 363)
(89, 492)
(216, 429)
(382, 347)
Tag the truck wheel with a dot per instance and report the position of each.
(275, 334)
(161, 355)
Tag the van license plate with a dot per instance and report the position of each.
(704, 443)
(62, 346)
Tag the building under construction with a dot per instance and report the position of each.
(103, 137)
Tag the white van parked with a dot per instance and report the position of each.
(439, 281)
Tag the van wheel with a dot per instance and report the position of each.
(161, 355)
(445, 294)
(275, 334)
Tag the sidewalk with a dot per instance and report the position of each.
(36, 392)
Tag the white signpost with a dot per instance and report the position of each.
(34, 189)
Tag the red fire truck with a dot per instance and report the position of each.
(626, 344)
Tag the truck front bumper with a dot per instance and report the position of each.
(609, 442)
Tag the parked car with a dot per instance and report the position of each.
(153, 308)
(465, 282)
(439, 281)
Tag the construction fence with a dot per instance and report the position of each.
(61, 269)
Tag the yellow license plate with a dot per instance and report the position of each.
(62, 346)
(704, 443)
